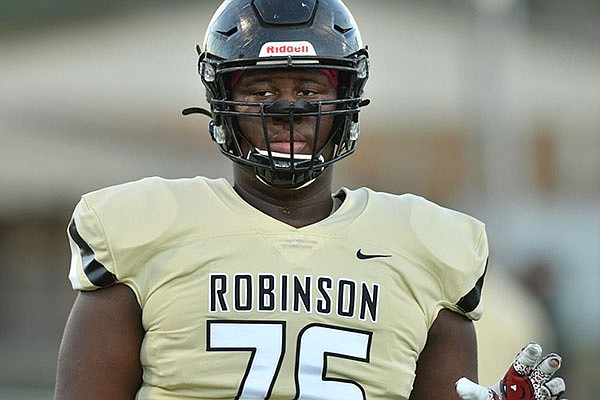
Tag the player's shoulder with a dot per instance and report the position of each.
(152, 195)
(420, 213)
(454, 241)
(121, 224)
(434, 234)
(140, 212)
(427, 216)
(146, 189)
(450, 245)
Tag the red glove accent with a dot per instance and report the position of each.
(516, 387)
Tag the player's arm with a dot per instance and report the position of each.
(99, 355)
(450, 353)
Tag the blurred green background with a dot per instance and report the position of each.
(491, 107)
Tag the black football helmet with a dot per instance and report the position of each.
(283, 34)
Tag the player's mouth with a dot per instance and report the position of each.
(285, 147)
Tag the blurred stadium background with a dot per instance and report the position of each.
(491, 107)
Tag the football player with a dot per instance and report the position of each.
(276, 286)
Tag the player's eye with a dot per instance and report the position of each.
(307, 92)
(262, 93)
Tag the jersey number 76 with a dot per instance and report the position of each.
(315, 343)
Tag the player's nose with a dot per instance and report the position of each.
(286, 109)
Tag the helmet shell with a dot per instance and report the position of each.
(240, 28)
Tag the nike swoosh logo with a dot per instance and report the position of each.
(362, 256)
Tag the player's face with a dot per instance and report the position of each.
(276, 85)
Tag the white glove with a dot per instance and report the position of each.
(528, 378)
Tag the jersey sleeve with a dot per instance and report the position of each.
(457, 249)
(92, 265)
(114, 231)
(469, 285)
(470, 304)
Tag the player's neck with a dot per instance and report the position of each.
(298, 208)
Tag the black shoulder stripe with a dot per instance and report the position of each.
(470, 301)
(94, 270)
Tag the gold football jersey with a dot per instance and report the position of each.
(236, 304)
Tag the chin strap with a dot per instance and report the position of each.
(282, 176)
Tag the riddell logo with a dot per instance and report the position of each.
(273, 49)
